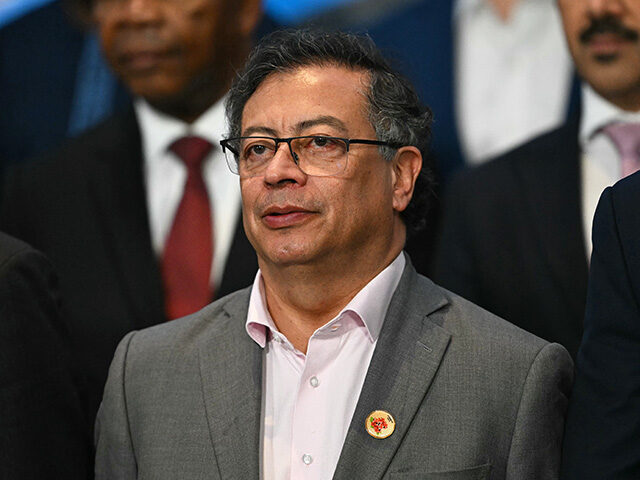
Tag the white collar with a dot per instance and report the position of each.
(598, 112)
(211, 125)
(467, 7)
(370, 304)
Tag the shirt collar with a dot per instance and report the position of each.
(598, 112)
(468, 7)
(211, 125)
(370, 304)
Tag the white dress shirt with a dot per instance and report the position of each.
(165, 176)
(600, 163)
(308, 400)
(513, 78)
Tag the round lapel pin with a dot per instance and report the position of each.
(380, 424)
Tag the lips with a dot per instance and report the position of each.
(144, 59)
(141, 61)
(286, 216)
(606, 43)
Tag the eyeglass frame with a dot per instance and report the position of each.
(278, 140)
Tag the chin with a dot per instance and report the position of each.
(156, 91)
(285, 254)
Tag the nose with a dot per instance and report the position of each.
(283, 168)
(599, 8)
(142, 11)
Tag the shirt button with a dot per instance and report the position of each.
(307, 459)
(335, 327)
(314, 382)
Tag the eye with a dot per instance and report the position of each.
(320, 141)
(257, 149)
(321, 144)
(254, 149)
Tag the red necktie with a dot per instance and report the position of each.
(188, 253)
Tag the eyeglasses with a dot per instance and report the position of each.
(316, 155)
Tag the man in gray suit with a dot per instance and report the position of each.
(341, 361)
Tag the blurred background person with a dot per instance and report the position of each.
(43, 432)
(516, 232)
(140, 215)
(602, 433)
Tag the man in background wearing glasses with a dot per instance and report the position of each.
(341, 361)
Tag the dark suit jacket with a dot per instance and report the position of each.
(42, 430)
(85, 207)
(602, 436)
(473, 397)
(512, 237)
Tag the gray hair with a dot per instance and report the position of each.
(394, 109)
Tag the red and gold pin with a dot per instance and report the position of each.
(380, 424)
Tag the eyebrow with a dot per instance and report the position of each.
(327, 120)
(259, 130)
(322, 120)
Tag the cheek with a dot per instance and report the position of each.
(633, 7)
(197, 44)
(368, 200)
(202, 36)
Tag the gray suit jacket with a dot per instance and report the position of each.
(474, 397)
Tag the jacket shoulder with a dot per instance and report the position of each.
(224, 318)
(487, 339)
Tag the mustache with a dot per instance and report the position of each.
(607, 24)
(284, 198)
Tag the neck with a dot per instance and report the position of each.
(628, 102)
(303, 298)
(189, 105)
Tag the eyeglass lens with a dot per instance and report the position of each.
(314, 155)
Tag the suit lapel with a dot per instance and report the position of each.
(551, 188)
(409, 351)
(231, 372)
(117, 189)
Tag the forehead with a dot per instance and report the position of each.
(286, 100)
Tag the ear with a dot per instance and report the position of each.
(406, 167)
(249, 15)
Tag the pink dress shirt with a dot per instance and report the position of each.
(308, 400)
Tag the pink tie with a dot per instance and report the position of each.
(626, 137)
(188, 253)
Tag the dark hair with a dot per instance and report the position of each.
(395, 110)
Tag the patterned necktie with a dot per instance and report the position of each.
(188, 253)
(626, 137)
